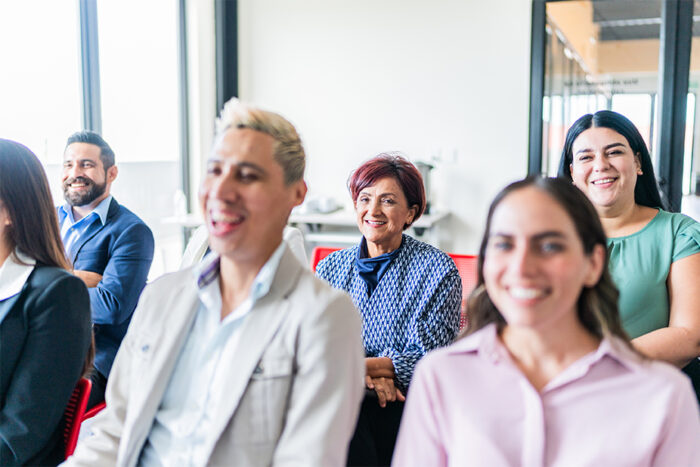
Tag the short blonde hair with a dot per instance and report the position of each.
(289, 152)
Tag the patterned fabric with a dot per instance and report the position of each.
(414, 309)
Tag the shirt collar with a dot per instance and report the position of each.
(13, 274)
(486, 343)
(101, 210)
(208, 270)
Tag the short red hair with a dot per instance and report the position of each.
(394, 166)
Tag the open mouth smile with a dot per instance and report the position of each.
(604, 181)
(527, 293)
(223, 223)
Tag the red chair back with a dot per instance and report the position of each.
(468, 272)
(466, 265)
(94, 411)
(73, 415)
(319, 253)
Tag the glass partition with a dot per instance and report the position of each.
(599, 55)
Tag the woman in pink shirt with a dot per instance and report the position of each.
(545, 374)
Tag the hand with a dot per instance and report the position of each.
(90, 278)
(377, 367)
(385, 389)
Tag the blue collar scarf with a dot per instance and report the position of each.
(371, 270)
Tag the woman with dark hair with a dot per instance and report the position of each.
(654, 254)
(545, 363)
(45, 324)
(408, 292)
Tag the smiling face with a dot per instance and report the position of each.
(534, 265)
(244, 198)
(382, 212)
(605, 168)
(85, 181)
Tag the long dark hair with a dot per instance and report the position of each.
(646, 191)
(597, 305)
(24, 192)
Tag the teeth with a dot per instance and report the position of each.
(376, 222)
(525, 293)
(603, 180)
(228, 218)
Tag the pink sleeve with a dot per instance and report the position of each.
(420, 442)
(681, 444)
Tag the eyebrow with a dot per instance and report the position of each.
(239, 165)
(79, 161)
(537, 236)
(609, 146)
(389, 193)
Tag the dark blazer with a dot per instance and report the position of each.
(121, 251)
(44, 340)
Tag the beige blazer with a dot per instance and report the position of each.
(295, 384)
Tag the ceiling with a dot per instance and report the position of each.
(633, 19)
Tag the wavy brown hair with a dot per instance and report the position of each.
(597, 305)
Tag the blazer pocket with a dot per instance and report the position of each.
(141, 346)
(266, 400)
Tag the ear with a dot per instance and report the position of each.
(299, 190)
(638, 163)
(597, 264)
(571, 172)
(412, 211)
(112, 173)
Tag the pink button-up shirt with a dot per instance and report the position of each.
(469, 404)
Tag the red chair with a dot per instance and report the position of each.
(319, 253)
(73, 415)
(94, 411)
(468, 272)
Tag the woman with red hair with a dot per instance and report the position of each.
(408, 292)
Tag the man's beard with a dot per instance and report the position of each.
(93, 191)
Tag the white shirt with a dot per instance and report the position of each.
(13, 276)
(181, 429)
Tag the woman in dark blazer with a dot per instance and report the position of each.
(45, 324)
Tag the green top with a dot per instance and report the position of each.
(639, 264)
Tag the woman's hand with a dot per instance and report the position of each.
(385, 389)
(379, 367)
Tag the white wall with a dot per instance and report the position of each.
(440, 80)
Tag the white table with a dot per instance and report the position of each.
(340, 227)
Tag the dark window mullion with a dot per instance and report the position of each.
(676, 31)
(537, 67)
(226, 14)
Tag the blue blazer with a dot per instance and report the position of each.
(44, 340)
(121, 251)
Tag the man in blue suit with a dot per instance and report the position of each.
(110, 248)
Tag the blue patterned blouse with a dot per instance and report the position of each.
(414, 309)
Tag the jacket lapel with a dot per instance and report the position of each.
(258, 330)
(92, 231)
(6, 305)
(183, 308)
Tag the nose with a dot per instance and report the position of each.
(74, 171)
(523, 262)
(223, 187)
(375, 207)
(600, 162)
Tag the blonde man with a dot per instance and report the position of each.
(245, 359)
